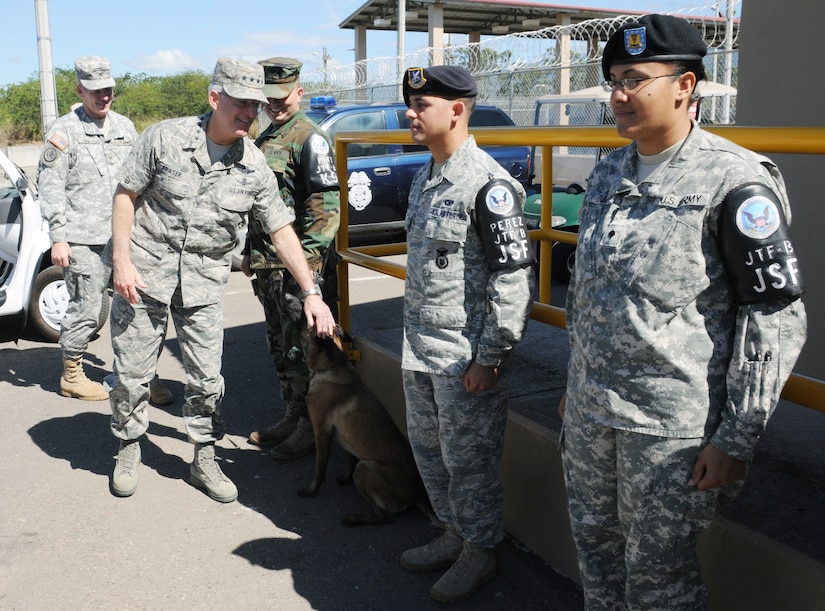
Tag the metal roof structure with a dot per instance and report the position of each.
(488, 18)
(482, 16)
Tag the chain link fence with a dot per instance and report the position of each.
(514, 71)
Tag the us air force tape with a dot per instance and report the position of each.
(501, 226)
(757, 252)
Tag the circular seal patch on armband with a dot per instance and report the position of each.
(500, 200)
(758, 217)
(49, 155)
(320, 146)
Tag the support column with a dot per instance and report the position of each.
(475, 51)
(360, 33)
(435, 18)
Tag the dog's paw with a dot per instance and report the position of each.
(308, 491)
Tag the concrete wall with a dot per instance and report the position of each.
(26, 157)
(742, 569)
(780, 84)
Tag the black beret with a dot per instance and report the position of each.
(653, 38)
(450, 82)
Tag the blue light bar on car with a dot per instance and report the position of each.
(322, 102)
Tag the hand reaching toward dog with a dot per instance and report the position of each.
(319, 316)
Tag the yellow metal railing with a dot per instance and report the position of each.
(800, 389)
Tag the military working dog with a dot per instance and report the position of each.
(342, 407)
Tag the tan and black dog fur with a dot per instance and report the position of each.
(342, 407)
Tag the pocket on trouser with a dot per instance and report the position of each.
(661, 559)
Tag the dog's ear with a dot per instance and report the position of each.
(294, 307)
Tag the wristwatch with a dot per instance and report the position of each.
(315, 290)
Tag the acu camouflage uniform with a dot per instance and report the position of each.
(663, 360)
(300, 155)
(456, 310)
(76, 179)
(187, 218)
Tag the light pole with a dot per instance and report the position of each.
(48, 96)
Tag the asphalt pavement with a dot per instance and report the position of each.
(67, 543)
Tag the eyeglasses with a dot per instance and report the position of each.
(629, 84)
(252, 105)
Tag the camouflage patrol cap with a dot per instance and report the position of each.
(239, 79)
(280, 76)
(94, 72)
(653, 38)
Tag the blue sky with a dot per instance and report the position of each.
(168, 36)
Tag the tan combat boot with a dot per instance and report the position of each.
(204, 473)
(474, 567)
(438, 554)
(299, 443)
(125, 475)
(158, 393)
(75, 384)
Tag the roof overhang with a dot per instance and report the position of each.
(465, 16)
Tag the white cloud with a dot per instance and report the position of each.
(164, 61)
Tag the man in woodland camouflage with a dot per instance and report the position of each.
(300, 155)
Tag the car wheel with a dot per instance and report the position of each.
(48, 303)
(564, 258)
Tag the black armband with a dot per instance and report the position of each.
(501, 226)
(318, 164)
(756, 247)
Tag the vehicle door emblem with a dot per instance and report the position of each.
(360, 194)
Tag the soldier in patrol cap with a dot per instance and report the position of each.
(467, 299)
(685, 321)
(76, 178)
(301, 157)
(184, 192)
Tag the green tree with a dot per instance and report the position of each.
(20, 112)
(144, 99)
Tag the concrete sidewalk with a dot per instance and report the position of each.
(67, 543)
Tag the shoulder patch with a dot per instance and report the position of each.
(59, 141)
(50, 154)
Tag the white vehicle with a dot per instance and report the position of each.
(32, 290)
(591, 107)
